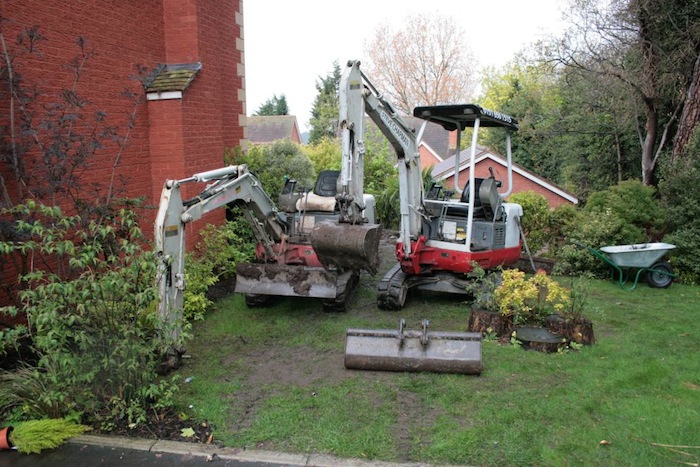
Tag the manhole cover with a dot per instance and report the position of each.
(535, 334)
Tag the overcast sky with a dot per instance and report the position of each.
(290, 45)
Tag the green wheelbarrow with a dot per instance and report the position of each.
(637, 259)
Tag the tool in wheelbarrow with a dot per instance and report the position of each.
(413, 351)
(639, 257)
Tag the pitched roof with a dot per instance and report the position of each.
(270, 128)
(176, 77)
(446, 168)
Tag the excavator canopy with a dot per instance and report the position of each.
(461, 116)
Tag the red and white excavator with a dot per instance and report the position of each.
(440, 237)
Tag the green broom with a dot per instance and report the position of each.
(33, 436)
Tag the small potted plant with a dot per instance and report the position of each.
(33, 436)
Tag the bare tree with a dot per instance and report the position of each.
(424, 62)
(648, 46)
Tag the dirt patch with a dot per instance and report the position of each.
(297, 367)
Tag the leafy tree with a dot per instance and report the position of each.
(648, 46)
(423, 62)
(325, 154)
(274, 106)
(271, 163)
(572, 130)
(325, 110)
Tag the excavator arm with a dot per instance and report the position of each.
(357, 97)
(232, 184)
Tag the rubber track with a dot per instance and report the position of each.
(389, 289)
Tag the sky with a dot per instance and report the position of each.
(291, 45)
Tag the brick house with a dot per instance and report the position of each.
(193, 106)
(437, 151)
(523, 180)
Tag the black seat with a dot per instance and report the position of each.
(478, 206)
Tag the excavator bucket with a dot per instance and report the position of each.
(414, 351)
(290, 281)
(346, 246)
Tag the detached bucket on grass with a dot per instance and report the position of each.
(414, 351)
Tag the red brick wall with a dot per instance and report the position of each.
(170, 139)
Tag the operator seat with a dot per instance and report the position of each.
(327, 183)
(479, 211)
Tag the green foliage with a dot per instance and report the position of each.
(636, 206)
(271, 163)
(378, 170)
(536, 218)
(220, 249)
(274, 106)
(388, 202)
(592, 229)
(34, 436)
(325, 110)
(325, 154)
(481, 287)
(562, 220)
(572, 128)
(686, 257)
(626, 213)
(680, 199)
(91, 324)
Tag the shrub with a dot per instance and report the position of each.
(530, 300)
(590, 229)
(91, 320)
(680, 199)
(271, 163)
(562, 220)
(220, 249)
(536, 218)
(636, 206)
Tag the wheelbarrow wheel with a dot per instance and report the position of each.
(660, 276)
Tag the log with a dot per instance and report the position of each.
(578, 330)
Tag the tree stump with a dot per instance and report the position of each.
(578, 330)
(489, 322)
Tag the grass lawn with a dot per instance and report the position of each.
(273, 378)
